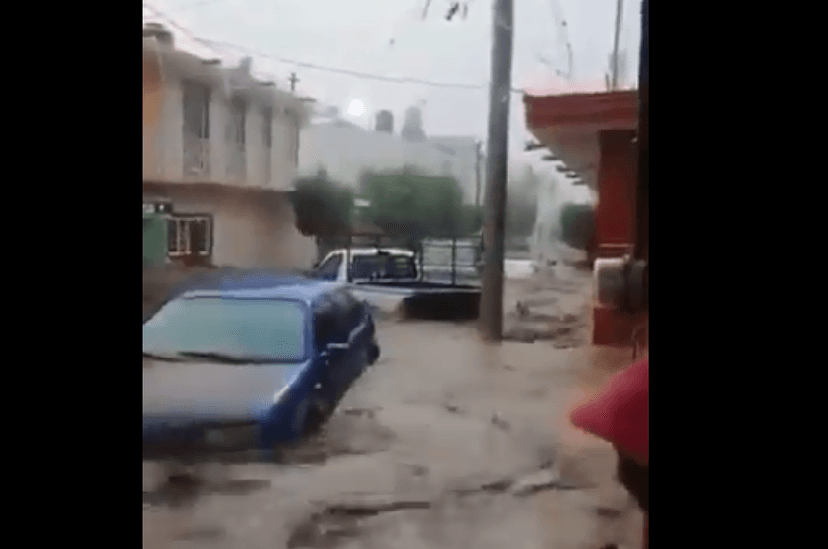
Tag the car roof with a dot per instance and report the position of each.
(297, 289)
(375, 251)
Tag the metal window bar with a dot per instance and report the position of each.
(181, 235)
(471, 245)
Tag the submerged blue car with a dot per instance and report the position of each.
(236, 372)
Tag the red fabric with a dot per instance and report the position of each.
(620, 413)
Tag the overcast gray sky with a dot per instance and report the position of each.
(390, 38)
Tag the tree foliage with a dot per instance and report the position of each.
(577, 225)
(417, 205)
(323, 207)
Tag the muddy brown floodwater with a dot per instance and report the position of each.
(445, 443)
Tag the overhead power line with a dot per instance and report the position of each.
(349, 72)
(220, 45)
(564, 46)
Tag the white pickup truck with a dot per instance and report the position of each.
(388, 277)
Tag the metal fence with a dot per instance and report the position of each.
(451, 259)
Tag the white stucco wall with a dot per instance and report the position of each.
(345, 152)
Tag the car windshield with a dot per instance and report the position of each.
(240, 329)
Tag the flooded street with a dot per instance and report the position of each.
(444, 443)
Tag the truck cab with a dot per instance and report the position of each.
(389, 280)
(368, 265)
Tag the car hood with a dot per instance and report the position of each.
(207, 390)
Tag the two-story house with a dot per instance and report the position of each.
(222, 147)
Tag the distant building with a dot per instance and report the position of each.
(346, 151)
(385, 122)
(222, 148)
(412, 129)
(469, 163)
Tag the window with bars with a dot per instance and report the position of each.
(190, 235)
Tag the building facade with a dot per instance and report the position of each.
(223, 148)
(346, 151)
(470, 164)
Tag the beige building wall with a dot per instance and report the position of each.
(250, 228)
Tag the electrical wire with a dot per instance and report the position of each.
(349, 72)
(218, 45)
(563, 42)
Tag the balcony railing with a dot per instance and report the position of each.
(196, 156)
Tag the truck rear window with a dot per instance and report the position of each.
(378, 267)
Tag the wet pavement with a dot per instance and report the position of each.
(444, 443)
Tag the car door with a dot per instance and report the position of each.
(351, 354)
(332, 343)
(359, 329)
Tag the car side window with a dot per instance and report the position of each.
(330, 268)
(364, 268)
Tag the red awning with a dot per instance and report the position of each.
(568, 125)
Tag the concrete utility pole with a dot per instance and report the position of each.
(615, 46)
(491, 302)
(477, 174)
(293, 81)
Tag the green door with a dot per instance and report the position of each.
(156, 227)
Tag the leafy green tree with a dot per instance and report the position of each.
(323, 207)
(417, 205)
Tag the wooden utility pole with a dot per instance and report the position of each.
(293, 81)
(491, 302)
